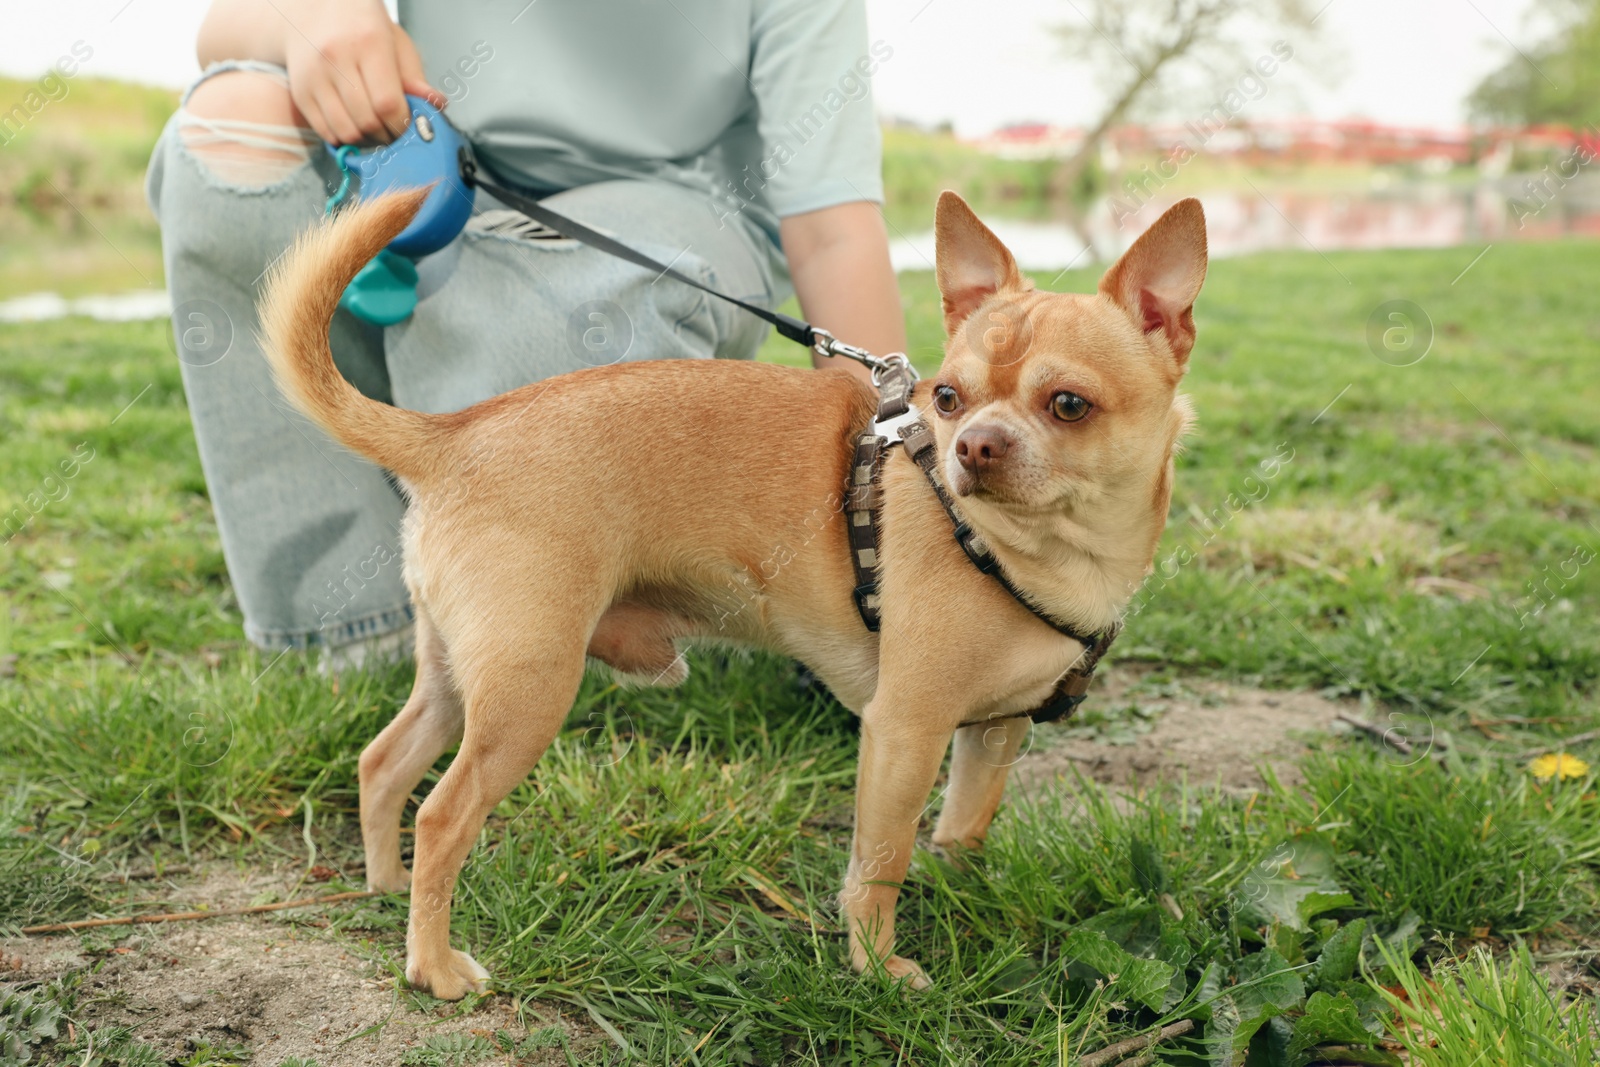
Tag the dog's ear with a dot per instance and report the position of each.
(1157, 279)
(972, 263)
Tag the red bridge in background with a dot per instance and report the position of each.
(1302, 141)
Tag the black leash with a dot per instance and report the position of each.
(788, 327)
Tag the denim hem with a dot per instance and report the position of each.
(364, 628)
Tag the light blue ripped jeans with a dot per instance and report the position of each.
(310, 531)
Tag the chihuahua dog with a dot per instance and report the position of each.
(621, 512)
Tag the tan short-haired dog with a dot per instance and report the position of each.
(619, 511)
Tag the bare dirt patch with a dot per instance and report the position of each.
(1137, 729)
(281, 985)
(279, 990)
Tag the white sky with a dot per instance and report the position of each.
(977, 63)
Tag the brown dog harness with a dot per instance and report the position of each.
(864, 503)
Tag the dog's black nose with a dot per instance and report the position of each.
(980, 446)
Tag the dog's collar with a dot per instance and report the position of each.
(864, 502)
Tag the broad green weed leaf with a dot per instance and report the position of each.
(1340, 955)
(1267, 987)
(1291, 885)
(1329, 1020)
(1132, 978)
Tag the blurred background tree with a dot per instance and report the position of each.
(1148, 52)
(1556, 80)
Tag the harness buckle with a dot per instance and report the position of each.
(889, 429)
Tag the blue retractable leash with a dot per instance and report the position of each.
(432, 150)
(385, 290)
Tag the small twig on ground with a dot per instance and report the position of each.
(1575, 739)
(1139, 1061)
(1520, 720)
(887, 1040)
(1382, 733)
(1135, 1044)
(146, 876)
(190, 916)
(151, 874)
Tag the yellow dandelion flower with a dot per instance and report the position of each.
(1558, 765)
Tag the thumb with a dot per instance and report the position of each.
(412, 78)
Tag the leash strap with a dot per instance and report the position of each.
(798, 330)
(788, 326)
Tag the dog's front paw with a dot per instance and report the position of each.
(901, 968)
(458, 975)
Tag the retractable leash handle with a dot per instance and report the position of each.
(384, 292)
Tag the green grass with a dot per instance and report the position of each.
(670, 866)
(917, 166)
(1482, 1011)
(73, 219)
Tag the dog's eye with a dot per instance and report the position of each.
(945, 399)
(1069, 407)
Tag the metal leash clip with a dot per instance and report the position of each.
(825, 344)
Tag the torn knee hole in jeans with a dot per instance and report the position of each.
(512, 225)
(251, 155)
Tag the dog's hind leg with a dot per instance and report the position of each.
(982, 756)
(517, 695)
(395, 761)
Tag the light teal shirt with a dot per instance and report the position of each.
(766, 105)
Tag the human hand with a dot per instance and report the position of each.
(350, 67)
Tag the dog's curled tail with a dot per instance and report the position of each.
(302, 293)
